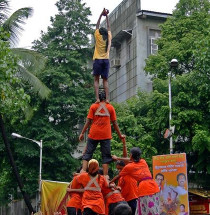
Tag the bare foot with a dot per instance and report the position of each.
(97, 101)
(107, 101)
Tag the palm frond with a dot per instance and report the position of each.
(14, 23)
(31, 60)
(28, 112)
(4, 9)
(38, 86)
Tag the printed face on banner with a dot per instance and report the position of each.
(170, 173)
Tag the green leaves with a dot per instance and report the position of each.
(56, 121)
(185, 36)
(14, 23)
(12, 96)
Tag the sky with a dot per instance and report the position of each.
(44, 9)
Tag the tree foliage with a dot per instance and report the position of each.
(12, 95)
(181, 35)
(13, 103)
(56, 121)
(185, 36)
(29, 61)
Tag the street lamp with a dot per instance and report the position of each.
(40, 162)
(173, 65)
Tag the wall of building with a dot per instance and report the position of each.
(144, 25)
(123, 80)
(133, 31)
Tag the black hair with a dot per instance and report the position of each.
(120, 163)
(182, 205)
(102, 95)
(160, 174)
(177, 177)
(136, 154)
(123, 209)
(94, 174)
(104, 33)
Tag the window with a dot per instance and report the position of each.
(153, 36)
(153, 46)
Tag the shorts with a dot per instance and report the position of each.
(88, 211)
(73, 211)
(105, 150)
(101, 67)
(133, 204)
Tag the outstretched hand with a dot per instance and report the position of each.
(81, 137)
(114, 157)
(105, 12)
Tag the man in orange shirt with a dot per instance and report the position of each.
(112, 197)
(99, 117)
(129, 187)
(93, 183)
(148, 190)
(75, 202)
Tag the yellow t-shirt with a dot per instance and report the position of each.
(100, 46)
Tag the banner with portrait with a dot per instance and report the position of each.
(170, 173)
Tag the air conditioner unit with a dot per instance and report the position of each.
(115, 63)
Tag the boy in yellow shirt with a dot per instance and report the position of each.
(101, 64)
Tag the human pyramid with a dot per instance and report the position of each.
(91, 191)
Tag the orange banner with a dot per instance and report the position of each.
(170, 173)
(54, 197)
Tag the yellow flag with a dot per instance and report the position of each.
(54, 197)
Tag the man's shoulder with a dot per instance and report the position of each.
(109, 105)
(97, 105)
(94, 105)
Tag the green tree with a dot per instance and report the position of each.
(30, 63)
(185, 36)
(56, 121)
(181, 35)
(13, 101)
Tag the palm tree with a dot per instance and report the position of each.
(30, 62)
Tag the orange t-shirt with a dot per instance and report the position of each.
(92, 199)
(113, 198)
(101, 125)
(129, 187)
(75, 197)
(141, 173)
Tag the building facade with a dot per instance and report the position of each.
(134, 32)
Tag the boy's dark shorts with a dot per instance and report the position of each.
(73, 211)
(101, 67)
(105, 150)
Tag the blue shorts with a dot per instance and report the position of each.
(105, 150)
(101, 67)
